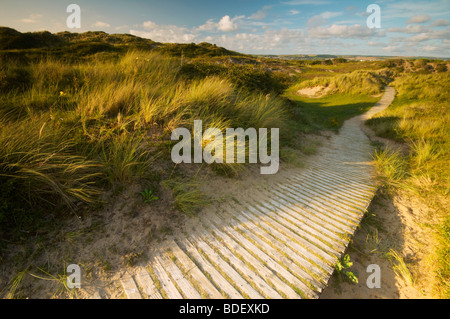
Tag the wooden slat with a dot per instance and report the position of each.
(130, 287)
(146, 282)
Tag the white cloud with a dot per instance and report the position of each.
(269, 41)
(208, 26)
(421, 18)
(122, 27)
(430, 48)
(406, 9)
(376, 44)
(32, 18)
(440, 23)
(149, 25)
(316, 21)
(100, 24)
(408, 48)
(294, 12)
(322, 19)
(341, 31)
(167, 36)
(329, 15)
(226, 24)
(432, 35)
(165, 33)
(411, 29)
(260, 14)
(391, 49)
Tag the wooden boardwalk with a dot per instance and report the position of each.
(281, 242)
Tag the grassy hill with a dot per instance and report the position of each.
(76, 46)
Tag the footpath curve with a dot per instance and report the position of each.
(281, 241)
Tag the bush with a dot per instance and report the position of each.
(420, 63)
(339, 60)
(441, 67)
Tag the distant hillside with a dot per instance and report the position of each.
(77, 45)
(11, 39)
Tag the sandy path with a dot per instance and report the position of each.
(278, 238)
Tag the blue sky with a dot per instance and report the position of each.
(408, 28)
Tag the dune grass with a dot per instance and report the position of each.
(359, 82)
(187, 195)
(68, 132)
(420, 117)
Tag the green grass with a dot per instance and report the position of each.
(349, 94)
(443, 254)
(329, 112)
(359, 82)
(399, 266)
(392, 167)
(187, 195)
(72, 131)
(246, 76)
(419, 117)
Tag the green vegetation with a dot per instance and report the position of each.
(399, 266)
(148, 196)
(81, 46)
(246, 76)
(187, 195)
(354, 83)
(329, 112)
(342, 274)
(72, 131)
(337, 98)
(419, 117)
(85, 114)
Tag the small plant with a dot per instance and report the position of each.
(399, 266)
(187, 195)
(334, 122)
(61, 280)
(149, 196)
(132, 259)
(345, 275)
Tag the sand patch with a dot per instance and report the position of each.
(314, 92)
